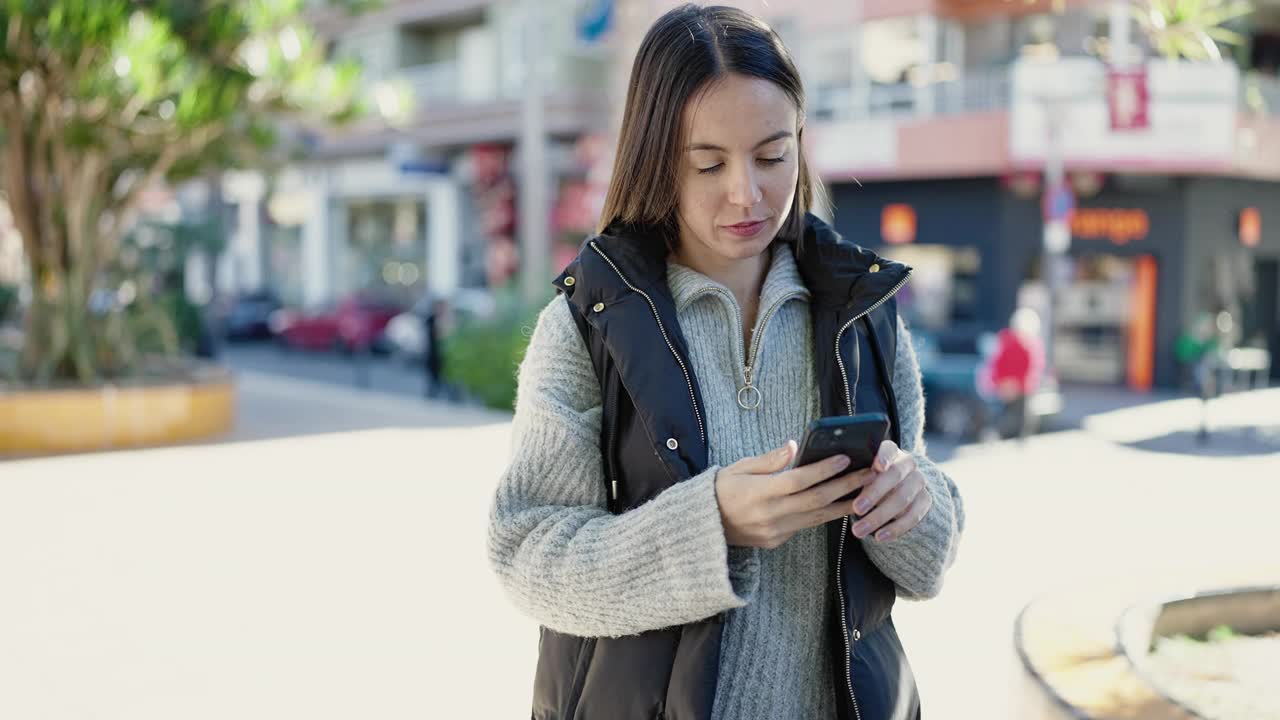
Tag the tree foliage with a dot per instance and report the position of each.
(102, 100)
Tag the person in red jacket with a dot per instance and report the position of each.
(1016, 368)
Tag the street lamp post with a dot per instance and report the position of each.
(535, 180)
(1057, 228)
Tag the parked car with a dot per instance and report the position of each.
(953, 406)
(248, 316)
(406, 333)
(356, 322)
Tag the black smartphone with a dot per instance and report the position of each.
(856, 436)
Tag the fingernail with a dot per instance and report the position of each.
(841, 462)
(884, 535)
(862, 506)
(859, 530)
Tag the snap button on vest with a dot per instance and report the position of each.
(875, 267)
(598, 307)
(569, 281)
(672, 444)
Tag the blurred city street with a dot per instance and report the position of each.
(268, 269)
(327, 560)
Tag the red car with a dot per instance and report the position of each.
(356, 322)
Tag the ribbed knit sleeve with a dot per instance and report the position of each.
(919, 559)
(561, 556)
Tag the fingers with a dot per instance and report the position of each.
(825, 493)
(820, 516)
(771, 462)
(911, 517)
(892, 506)
(802, 478)
(885, 481)
(885, 456)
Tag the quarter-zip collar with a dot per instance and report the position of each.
(782, 280)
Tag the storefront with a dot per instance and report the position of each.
(1117, 313)
(1147, 256)
(950, 232)
(1234, 261)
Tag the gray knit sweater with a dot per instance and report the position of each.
(571, 565)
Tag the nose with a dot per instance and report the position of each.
(744, 191)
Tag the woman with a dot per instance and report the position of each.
(648, 519)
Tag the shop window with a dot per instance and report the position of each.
(385, 249)
(944, 287)
(1092, 318)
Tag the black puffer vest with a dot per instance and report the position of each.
(653, 437)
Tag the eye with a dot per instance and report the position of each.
(772, 161)
(710, 170)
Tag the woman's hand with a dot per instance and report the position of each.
(762, 506)
(895, 500)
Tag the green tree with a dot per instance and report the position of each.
(101, 100)
(1191, 29)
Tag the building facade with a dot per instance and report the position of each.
(934, 123)
(421, 193)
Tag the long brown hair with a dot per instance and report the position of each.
(682, 53)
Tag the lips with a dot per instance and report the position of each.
(746, 229)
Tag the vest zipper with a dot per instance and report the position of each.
(848, 395)
(693, 398)
(844, 530)
(751, 353)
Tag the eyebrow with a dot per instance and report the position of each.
(707, 146)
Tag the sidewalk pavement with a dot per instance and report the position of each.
(328, 560)
(273, 406)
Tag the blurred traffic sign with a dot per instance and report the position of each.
(1059, 203)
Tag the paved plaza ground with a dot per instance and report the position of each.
(327, 559)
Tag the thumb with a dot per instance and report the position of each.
(770, 462)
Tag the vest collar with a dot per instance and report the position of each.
(836, 272)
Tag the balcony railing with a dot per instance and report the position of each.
(979, 91)
(975, 91)
(434, 84)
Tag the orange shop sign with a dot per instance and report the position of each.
(1120, 226)
(1249, 227)
(898, 224)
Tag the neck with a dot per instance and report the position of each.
(744, 277)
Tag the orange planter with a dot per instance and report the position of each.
(107, 417)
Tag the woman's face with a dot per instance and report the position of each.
(739, 169)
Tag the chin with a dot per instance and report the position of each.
(740, 248)
(744, 249)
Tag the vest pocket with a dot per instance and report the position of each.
(628, 677)
(563, 661)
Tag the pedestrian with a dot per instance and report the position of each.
(1016, 369)
(649, 518)
(433, 354)
(1194, 350)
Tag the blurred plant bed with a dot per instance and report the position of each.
(1215, 653)
(1225, 675)
(152, 371)
(167, 400)
(131, 332)
(482, 355)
